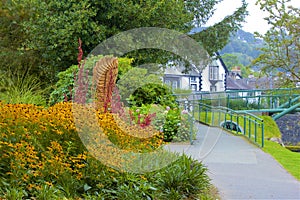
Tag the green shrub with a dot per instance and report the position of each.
(175, 125)
(172, 124)
(64, 88)
(153, 93)
(185, 178)
(242, 105)
(234, 104)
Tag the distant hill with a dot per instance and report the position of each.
(244, 45)
(241, 44)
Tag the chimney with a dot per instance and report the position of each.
(235, 71)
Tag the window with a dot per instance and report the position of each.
(214, 73)
(194, 87)
(193, 79)
(174, 84)
(168, 82)
(213, 88)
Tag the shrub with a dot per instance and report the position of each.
(236, 104)
(242, 105)
(175, 124)
(64, 88)
(185, 178)
(153, 93)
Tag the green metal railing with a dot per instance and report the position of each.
(286, 111)
(264, 99)
(238, 122)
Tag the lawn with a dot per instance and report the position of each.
(288, 159)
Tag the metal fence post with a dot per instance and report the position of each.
(262, 134)
(255, 130)
(249, 134)
(237, 122)
(206, 116)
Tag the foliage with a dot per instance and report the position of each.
(244, 45)
(230, 60)
(175, 125)
(19, 88)
(242, 105)
(134, 79)
(185, 173)
(15, 56)
(234, 60)
(41, 36)
(216, 37)
(153, 93)
(280, 55)
(235, 104)
(172, 124)
(141, 115)
(64, 88)
(42, 157)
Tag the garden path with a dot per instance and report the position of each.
(239, 169)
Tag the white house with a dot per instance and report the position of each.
(211, 79)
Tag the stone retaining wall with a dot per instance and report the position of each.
(289, 126)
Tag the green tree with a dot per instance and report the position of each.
(135, 78)
(231, 60)
(217, 36)
(281, 53)
(15, 57)
(49, 31)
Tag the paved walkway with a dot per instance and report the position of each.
(239, 169)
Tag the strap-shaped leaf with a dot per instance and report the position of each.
(104, 80)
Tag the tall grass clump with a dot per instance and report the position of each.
(21, 88)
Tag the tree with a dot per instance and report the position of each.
(281, 53)
(217, 36)
(14, 55)
(235, 59)
(231, 60)
(51, 28)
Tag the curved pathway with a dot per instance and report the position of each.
(239, 169)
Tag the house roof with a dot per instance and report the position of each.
(261, 83)
(238, 84)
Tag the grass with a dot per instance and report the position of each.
(288, 159)
(21, 89)
(271, 128)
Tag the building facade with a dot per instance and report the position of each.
(210, 79)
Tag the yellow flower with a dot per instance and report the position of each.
(49, 183)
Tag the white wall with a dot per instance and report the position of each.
(185, 82)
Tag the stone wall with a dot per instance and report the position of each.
(289, 126)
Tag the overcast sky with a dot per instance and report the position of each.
(254, 21)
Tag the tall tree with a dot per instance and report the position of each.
(14, 55)
(52, 28)
(281, 53)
